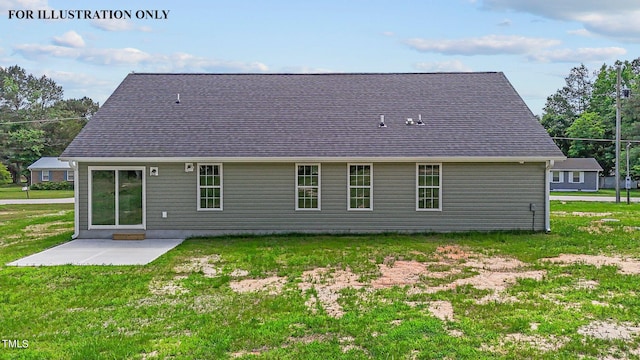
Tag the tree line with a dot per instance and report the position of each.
(585, 108)
(35, 120)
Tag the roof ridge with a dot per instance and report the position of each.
(324, 73)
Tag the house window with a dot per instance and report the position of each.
(428, 187)
(360, 187)
(557, 176)
(576, 177)
(308, 187)
(209, 187)
(70, 175)
(45, 175)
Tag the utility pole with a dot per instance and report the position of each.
(627, 181)
(617, 165)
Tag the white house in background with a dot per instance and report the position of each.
(577, 174)
(50, 169)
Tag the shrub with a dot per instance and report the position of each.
(5, 175)
(53, 186)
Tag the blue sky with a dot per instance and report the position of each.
(534, 42)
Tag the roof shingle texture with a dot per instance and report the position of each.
(586, 164)
(313, 115)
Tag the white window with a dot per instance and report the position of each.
(70, 175)
(360, 187)
(557, 176)
(576, 177)
(308, 187)
(428, 187)
(45, 175)
(209, 186)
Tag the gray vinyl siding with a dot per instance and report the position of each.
(260, 198)
(590, 182)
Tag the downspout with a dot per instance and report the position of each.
(547, 202)
(76, 202)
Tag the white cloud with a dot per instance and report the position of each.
(306, 70)
(112, 24)
(443, 66)
(581, 55)
(69, 39)
(486, 45)
(505, 22)
(580, 32)
(136, 58)
(615, 18)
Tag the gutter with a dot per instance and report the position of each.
(76, 196)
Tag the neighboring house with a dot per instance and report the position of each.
(50, 169)
(575, 174)
(203, 154)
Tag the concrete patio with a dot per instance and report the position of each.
(101, 252)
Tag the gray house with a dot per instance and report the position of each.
(192, 154)
(575, 174)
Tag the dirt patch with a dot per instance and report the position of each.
(452, 252)
(272, 284)
(597, 227)
(443, 310)
(403, 273)
(202, 264)
(327, 284)
(47, 229)
(170, 287)
(239, 273)
(625, 265)
(541, 343)
(609, 330)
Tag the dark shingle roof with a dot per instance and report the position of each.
(313, 115)
(581, 164)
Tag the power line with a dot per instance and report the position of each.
(43, 120)
(587, 139)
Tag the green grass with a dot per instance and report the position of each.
(15, 192)
(602, 192)
(174, 309)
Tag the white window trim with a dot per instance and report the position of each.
(439, 208)
(142, 226)
(581, 176)
(42, 177)
(70, 178)
(219, 165)
(319, 208)
(370, 208)
(560, 177)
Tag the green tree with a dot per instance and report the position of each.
(35, 120)
(5, 175)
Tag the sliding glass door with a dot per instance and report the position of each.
(116, 197)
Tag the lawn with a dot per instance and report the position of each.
(571, 294)
(602, 192)
(15, 192)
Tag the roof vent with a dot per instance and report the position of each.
(420, 122)
(178, 101)
(382, 124)
(409, 121)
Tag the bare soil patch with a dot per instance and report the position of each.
(47, 229)
(204, 264)
(610, 331)
(327, 284)
(443, 310)
(627, 266)
(272, 284)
